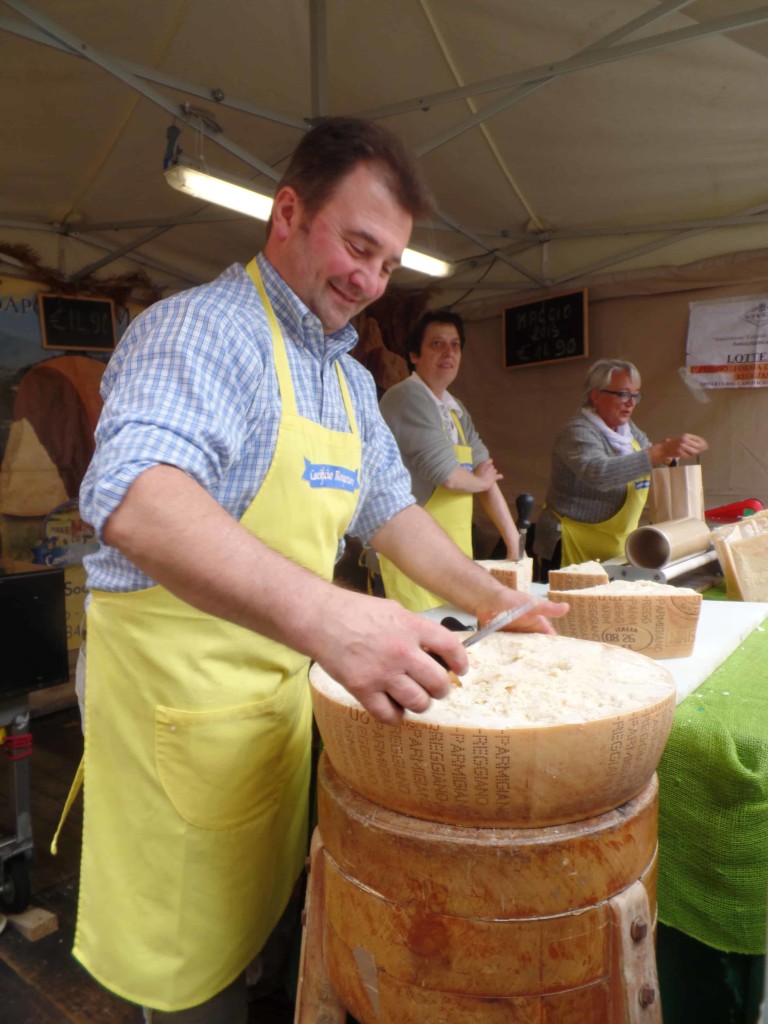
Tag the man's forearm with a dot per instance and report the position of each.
(177, 534)
(424, 552)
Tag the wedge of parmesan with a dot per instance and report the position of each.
(656, 619)
(30, 484)
(516, 574)
(577, 577)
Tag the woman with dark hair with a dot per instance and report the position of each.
(601, 471)
(441, 449)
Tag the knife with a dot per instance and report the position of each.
(497, 622)
(524, 505)
(500, 621)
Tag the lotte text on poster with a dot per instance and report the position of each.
(727, 344)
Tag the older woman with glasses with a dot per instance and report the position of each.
(601, 467)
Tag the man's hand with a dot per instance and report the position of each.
(379, 653)
(535, 621)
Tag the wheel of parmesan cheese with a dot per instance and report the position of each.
(516, 574)
(657, 619)
(543, 730)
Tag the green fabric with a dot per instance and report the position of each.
(713, 806)
(701, 985)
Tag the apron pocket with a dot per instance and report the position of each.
(221, 768)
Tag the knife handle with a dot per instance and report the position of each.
(524, 506)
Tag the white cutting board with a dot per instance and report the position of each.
(722, 626)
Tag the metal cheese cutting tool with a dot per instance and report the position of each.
(500, 621)
(497, 622)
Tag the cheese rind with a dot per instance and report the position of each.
(543, 730)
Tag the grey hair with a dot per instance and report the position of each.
(601, 372)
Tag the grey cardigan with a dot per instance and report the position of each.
(426, 449)
(589, 480)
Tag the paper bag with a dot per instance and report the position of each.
(742, 549)
(677, 492)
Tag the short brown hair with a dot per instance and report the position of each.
(332, 149)
(415, 338)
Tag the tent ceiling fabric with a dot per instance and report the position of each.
(562, 140)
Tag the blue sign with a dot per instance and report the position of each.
(319, 474)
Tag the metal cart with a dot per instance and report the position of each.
(34, 656)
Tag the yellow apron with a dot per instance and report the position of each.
(197, 747)
(585, 542)
(453, 511)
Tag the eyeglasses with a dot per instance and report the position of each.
(625, 396)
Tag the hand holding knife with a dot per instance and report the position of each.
(496, 623)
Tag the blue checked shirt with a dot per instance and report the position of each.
(192, 384)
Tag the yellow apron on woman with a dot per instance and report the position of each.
(453, 511)
(585, 542)
(197, 747)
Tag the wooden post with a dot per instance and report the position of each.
(316, 1002)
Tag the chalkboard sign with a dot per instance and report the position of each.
(549, 330)
(76, 322)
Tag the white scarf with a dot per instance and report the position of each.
(620, 439)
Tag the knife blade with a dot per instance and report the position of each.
(500, 621)
(497, 622)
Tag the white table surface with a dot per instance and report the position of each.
(722, 626)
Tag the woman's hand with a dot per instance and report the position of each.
(487, 473)
(683, 447)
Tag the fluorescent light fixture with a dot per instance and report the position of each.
(414, 260)
(217, 189)
(222, 190)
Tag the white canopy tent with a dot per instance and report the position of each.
(563, 140)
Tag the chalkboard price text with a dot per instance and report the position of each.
(549, 330)
(75, 322)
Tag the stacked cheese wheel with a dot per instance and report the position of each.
(542, 730)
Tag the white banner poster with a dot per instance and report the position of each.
(727, 343)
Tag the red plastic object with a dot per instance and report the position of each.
(18, 745)
(733, 512)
